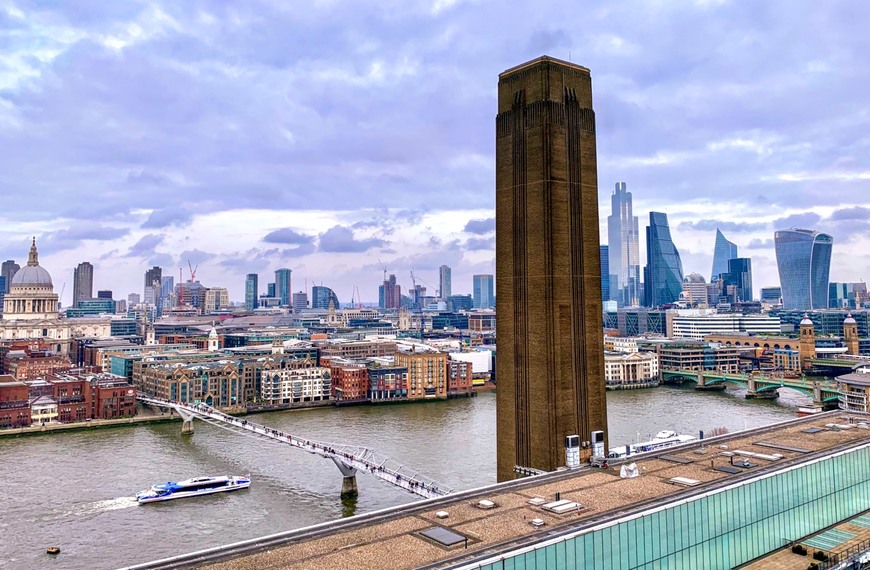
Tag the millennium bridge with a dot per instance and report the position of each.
(348, 458)
(823, 392)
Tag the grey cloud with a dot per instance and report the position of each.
(344, 106)
(853, 213)
(480, 226)
(167, 217)
(339, 239)
(449, 254)
(254, 260)
(712, 225)
(299, 251)
(288, 236)
(145, 246)
(805, 220)
(73, 237)
(759, 244)
(480, 243)
(544, 41)
(146, 178)
(848, 230)
(195, 257)
(164, 260)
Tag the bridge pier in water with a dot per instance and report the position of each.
(349, 490)
(766, 395)
(187, 421)
(755, 394)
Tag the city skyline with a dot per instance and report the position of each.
(712, 137)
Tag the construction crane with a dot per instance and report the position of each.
(437, 289)
(384, 268)
(192, 271)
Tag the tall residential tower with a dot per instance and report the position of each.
(445, 287)
(550, 364)
(83, 283)
(252, 291)
(282, 285)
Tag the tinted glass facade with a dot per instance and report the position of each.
(282, 286)
(739, 276)
(771, 294)
(483, 292)
(722, 252)
(320, 297)
(605, 274)
(719, 529)
(251, 291)
(804, 261)
(623, 249)
(663, 275)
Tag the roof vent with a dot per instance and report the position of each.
(485, 504)
(561, 507)
(537, 501)
(684, 481)
(538, 523)
(442, 514)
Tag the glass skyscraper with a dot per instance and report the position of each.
(663, 274)
(445, 287)
(722, 252)
(252, 289)
(803, 258)
(483, 291)
(282, 286)
(320, 297)
(605, 273)
(623, 248)
(739, 277)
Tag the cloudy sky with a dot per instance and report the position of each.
(327, 135)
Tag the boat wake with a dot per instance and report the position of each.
(106, 505)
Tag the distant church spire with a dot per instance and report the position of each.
(33, 260)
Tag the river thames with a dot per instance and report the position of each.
(75, 490)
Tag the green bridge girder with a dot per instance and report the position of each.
(829, 390)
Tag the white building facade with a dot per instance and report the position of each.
(625, 369)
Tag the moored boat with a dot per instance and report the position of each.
(192, 488)
(803, 411)
(662, 440)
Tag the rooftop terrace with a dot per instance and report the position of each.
(518, 516)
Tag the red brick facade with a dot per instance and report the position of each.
(113, 399)
(14, 403)
(459, 378)
(350, 383)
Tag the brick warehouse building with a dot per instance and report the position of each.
(14, 403)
